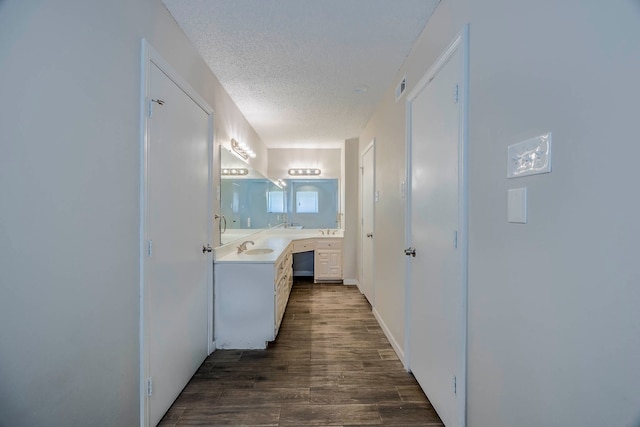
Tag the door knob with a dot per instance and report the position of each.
(207, 248)
(410, 251)
(369, 234)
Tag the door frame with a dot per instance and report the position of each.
(370, 146)
(151, 57)
(461, 41)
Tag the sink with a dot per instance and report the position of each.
(258, 251)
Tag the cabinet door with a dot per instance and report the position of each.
(328, 264)
(322, 264)
(335, 264)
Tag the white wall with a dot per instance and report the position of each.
(328, 160)
(69, 191)
(387, 126)
(553, 304)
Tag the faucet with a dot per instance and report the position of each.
(243, 246)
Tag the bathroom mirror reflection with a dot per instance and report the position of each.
(313, 203)
(249, 202)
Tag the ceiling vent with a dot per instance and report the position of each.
(401, 88)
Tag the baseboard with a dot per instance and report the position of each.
(390, 337)
(351, 282)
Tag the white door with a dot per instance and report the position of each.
(367, 284)
(177, 226)
(437, 292)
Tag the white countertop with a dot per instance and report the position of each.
(276, 239)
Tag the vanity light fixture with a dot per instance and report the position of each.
(304, 172)
(235, 171)
(242, 150)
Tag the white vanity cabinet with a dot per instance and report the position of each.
(250, 300)
(328, 261)
(327, 257)
(283, 282)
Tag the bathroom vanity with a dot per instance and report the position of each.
(251, 288)
(250, 298)
(327, 257)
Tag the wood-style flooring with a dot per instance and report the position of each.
(331, 365)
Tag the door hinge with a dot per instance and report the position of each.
(157, 101)
(150, 386)
(150, 247)
(455, 239)
(456, 94)
(410, 251)
(455, 385)
(361, 170)
(150, 110)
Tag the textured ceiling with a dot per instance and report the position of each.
(292, 66)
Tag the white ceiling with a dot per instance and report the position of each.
(293, 66)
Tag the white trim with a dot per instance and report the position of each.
(144, 89)
(460, 42)
(211, 339)
(392, 340)
(407, 230)
(370, 146)
(150, 56)
(351, 282)
(463, 221)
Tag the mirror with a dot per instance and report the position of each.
(249, 202)
(313, 203)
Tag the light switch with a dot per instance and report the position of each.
(517, 205)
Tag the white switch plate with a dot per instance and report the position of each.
(517, 205)
(529, 157)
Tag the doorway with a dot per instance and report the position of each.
(367, 282)
(176, 276)
(437, 232)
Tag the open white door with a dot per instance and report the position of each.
(177, 231)
(437, 234)
(367, 282)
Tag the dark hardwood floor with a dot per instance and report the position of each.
(331, 365)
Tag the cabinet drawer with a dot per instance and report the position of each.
(283, 265)
(335, 272)
(329, 244)
(304, 245)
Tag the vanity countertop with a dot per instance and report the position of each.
(276, 239)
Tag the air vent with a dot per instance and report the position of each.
(400, 88)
